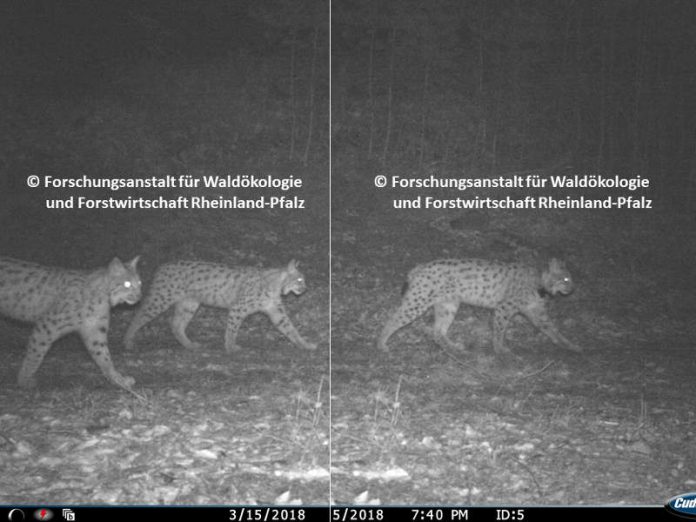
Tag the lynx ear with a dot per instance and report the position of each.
(133, 263)
(293, 265)
(116, 266)
(555, 265)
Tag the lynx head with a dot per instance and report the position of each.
(556, 279)
(293, 279)
(124, 281)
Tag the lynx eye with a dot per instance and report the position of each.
(127, 284)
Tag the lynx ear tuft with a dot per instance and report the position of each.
(133, 263)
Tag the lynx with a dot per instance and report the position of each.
(59, 301)
(507, 289)
(243, 291)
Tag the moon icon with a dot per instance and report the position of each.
(15, 515)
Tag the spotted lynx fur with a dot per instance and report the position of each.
(508, 289)
(59, 301)
(242, 291)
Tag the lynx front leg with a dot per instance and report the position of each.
(390, 327)
(539, 317)
(444, 316)
(409, 309)
(151, 308)
(280, 319)
(183, 313)
(94, 335)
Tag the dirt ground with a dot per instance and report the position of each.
(207, 427)
(416, 426)
(540, 426)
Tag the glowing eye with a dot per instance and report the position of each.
(127, 284)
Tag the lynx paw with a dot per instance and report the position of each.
(574, 347)
(308, 346)
(232, 347)
(123, 381)
(194, 346)
(444, 342)
(501, 350)
(26, 383)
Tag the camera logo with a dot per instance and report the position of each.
(683, 505)
(69, 515)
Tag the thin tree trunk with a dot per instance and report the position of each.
(293, 116)
(390, 96)
(370, 93)
(599, 160)
(480, 144)
(424, 111)
(637, 100)
(692, 176)
(312, 79)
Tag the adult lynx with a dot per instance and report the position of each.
(241, 290)
(59, 301)
(507, 288)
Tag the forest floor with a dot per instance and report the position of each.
(205, 427)
(543, 426)
(418, 425)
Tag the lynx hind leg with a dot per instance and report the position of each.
(235, 317)
(412, 306)
(282, 322)
(95, 339)
(539, 317)
(501, 320)
(183, 313)
(42, 337)
(444, 316)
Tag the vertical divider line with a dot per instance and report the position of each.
(330, 254)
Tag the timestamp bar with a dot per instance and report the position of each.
(77, 513)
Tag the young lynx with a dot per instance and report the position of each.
(242, 291)
(60, 301)
(508, 289)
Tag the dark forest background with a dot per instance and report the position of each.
(163, 87)
(141, 89)
(487, 88)
(130, 89)
(500, 86)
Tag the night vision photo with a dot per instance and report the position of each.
(512, 252)
(347, 253)
(166, 337)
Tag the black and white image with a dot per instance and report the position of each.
(347, 253)
(500, 336)
(164, 280)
